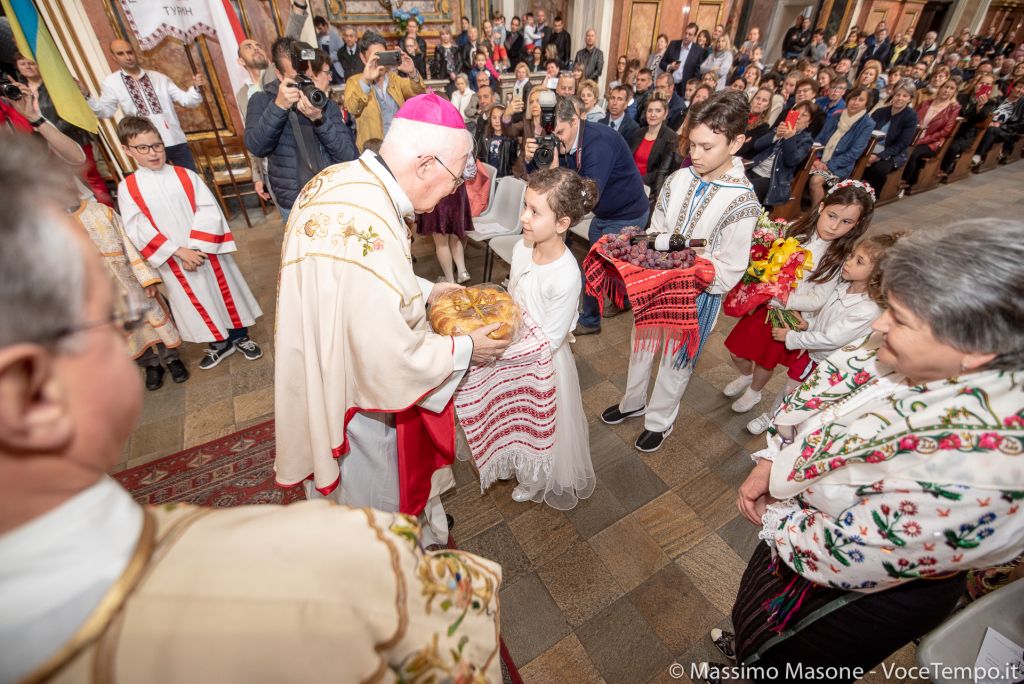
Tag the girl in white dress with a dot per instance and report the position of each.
(546, 282)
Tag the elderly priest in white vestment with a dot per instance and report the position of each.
(96, 588)
(363, 387)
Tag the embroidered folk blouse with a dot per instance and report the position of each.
(885, 482)
(152, 95)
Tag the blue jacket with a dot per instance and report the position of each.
(627, 127)
(830, 109)
(677, 109)
(605, 157)
(850, 146)
(789, 157)
(268, 133)
(902, 129)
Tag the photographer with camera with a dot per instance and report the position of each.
(374, 96)
(291, 125)
(593, 151)
(19, 113)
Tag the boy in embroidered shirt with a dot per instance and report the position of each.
(711, 200)
(175, 222)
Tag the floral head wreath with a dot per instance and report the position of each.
(853, 183)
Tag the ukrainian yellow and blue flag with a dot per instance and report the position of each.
(34, 40)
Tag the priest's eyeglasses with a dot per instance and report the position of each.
(146, 149)
(457, 182)
(129, 309)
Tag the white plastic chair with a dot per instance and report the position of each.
(956, 641)
(582, 229)
(503, 245)
(501, 218)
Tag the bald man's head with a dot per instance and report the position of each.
(124, 55)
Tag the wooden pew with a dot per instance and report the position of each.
(791, 209)
(890, 192)
(862, 163)
(1018, 151)
(929, 176)
(963, 164)
(991, 158)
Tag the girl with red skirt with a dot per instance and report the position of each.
(829, 231)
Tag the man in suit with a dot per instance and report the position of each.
(880, 48)
(616, 116)
(676, 103)
(348, 55)
(515, 43)
(683, 58)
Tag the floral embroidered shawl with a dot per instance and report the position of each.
(967, 430)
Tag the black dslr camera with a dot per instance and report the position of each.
(301, 59)
(10, 90)
(546, 144)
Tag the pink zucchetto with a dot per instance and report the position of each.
(431, 109)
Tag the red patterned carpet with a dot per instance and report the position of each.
(236, 470)
(231, 471)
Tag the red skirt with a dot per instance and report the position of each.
(751, 339)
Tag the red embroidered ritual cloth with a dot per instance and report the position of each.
(664, 301)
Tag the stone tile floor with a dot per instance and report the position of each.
(633, 578)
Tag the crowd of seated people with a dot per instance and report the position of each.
(835, 95)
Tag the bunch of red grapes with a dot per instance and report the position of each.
(639, 254)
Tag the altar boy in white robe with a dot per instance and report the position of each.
(710, 200)
(173, 219)
(363, 387)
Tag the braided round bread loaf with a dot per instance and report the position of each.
(460, 312)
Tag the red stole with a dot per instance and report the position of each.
(426, 442)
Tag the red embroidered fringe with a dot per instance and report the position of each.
(664, 302)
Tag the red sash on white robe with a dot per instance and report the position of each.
(426, 442)
(210, 244)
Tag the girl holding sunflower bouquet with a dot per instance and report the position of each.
(759, 342)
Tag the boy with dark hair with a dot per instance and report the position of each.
(710, 200)
(175, 222)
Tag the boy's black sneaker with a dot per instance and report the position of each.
(215, 355)
(649, 440)
(249, 348)
(613, 416)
